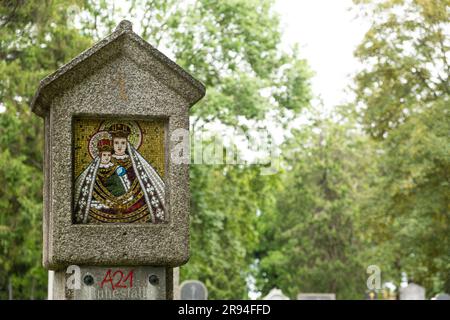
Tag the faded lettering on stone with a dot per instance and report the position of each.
(121, 283)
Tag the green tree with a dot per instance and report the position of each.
(224, 209)
(233, 47)
(402, 97)
(312, 239)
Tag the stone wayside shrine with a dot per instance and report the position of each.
(116, 199)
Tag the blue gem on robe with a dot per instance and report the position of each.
(121, 171)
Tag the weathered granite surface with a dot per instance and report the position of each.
(123, 41)
(112, 283)
(122, 76)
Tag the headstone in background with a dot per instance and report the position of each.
(412, 292)
(116, 171)
(441, 296)
(193, 290)
(276, 294)
(316, 296)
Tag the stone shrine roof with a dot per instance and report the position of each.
(123, 41)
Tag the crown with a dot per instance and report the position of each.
(104, 145)
(119, 130)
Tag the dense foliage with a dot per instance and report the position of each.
(367, 185)
(403, 99)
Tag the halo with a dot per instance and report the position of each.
(93, 150)
(135, 137)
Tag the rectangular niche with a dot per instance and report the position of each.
(118, 170)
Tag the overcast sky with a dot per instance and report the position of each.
(327, 34)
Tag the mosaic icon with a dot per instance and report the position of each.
(118, 170)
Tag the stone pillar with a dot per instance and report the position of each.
(116, 171)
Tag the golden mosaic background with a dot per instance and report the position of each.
(152, 147)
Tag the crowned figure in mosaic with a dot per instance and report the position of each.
(119, 185)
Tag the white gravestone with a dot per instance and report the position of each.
(276, 294)
(316, 296)
(193, 290)
(412, 292)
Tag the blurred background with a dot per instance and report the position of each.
(355, 94)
